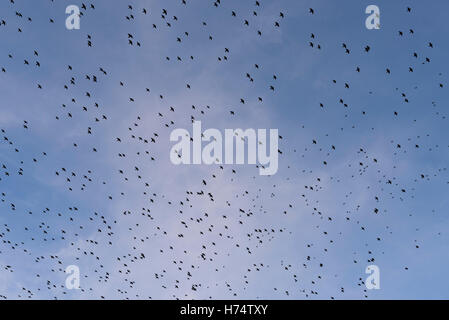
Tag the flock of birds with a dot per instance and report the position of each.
(86, 179)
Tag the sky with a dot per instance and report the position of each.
(306, 232)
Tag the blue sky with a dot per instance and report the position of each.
(334, 224)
